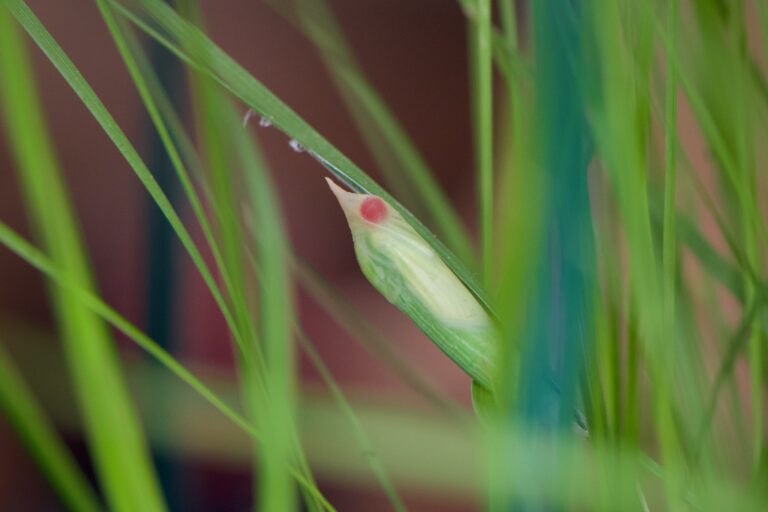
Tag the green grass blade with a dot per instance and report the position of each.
(482, 92)
(40, 438)
(354, 321)
(190, 44)
(405, 169)
(92, 302)
(621, 124)
(113, 430)
(361, 437)
(739, 341)
(168, 128)
(276, 318)
(669, 256)
(77, 82)
(220, 170)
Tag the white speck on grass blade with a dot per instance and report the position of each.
(296, 146)
(247, 117)
(404, 268)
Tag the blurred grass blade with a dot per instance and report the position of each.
(669, 247)
(354, 321)
(165, 25)
(40, 438)
(167, 125)
(93, 303)
(360, 435)
(621, 126)
(688, 233)
(37, 259)
(173, 136)
(276, 318)
(223, 203)
(77, 82)
(405, 169)
(112, 428)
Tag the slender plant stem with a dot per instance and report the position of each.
(483, 96)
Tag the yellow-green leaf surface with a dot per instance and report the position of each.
(404, 268)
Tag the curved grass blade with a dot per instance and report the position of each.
(77, 82)
(167, 122)
(224, 206)
(168, 128)
(92, 302)
(405, 169)
(352, 320)
(28, 419)
(361, 437)
(112, 427)
(164, 24)
(276, 318)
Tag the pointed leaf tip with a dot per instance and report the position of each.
(349, 201)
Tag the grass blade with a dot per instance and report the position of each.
(92, 302)
(41, 439)
(404, 167)
(276, 319)
(482, 92)
(77, 82)
(360, 435)
(113, 431)
(354, 321)
(186, 41)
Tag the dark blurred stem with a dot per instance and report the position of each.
(160, 254)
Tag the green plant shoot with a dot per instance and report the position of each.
(404, 268)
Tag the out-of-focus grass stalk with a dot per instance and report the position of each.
(251, 363)
(482, 96)
(727, 120)
(751, 220)
(93, 303)
(520, 215)
(276, 319)
(620, 134)
(361, 437)
(669, 249)
(112, 428)
(354, 321)
(28, 419)
(173, 135)
(227, 263)
(80, 86)
(762, 10)
(221, 171)
(150, 92)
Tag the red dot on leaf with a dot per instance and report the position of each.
(373, 209)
